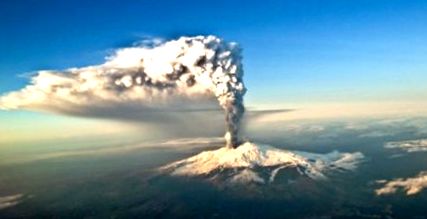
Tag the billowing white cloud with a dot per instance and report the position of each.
(409, 146)
(411, 186)
(150, 83)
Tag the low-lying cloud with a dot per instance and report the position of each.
(409, 145)
(410, 186)
(10, 201)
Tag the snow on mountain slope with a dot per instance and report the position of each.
(248, 157)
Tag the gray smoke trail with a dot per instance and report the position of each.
(168, 75)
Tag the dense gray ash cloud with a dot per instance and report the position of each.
(177, 75)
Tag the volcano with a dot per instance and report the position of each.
(259, 163)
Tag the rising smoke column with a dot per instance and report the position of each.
(172, 74)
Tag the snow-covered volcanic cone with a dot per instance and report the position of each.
(243, 164)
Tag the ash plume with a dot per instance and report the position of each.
(174, 75)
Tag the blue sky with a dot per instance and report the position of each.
(321, 50)
(294, 51)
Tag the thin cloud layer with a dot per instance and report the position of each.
(10, 201)
(411, 186)
(409, 146)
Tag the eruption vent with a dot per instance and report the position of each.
(168, 75)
